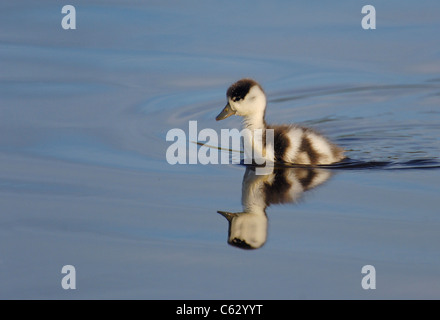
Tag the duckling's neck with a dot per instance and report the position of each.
(253, 197)
(255, 121)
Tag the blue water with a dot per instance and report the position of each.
(84, 180)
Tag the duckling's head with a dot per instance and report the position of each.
(246, 98)
(247, 230)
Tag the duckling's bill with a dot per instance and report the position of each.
(226, 112)
(227, 215)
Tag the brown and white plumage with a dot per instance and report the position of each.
(292, 143)
(248, 229)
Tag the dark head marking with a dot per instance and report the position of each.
(240, 89)
(240, 244)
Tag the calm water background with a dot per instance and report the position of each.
(83, 175)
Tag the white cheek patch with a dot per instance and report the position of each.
(233, 105)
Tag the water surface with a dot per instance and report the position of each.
(84, 180)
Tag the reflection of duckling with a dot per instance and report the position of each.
(248, 229)
(292, 144)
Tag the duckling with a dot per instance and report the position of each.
(292, 144)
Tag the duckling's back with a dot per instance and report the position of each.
(299, 145)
